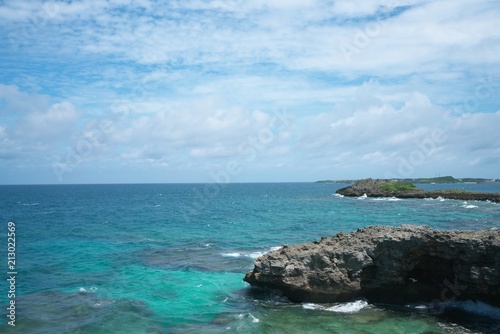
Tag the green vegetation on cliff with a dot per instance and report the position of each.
(396, 186)
(441, 179)
(383, 187)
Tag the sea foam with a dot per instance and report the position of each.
(388, 199)
(251, 254)
(91, 289)
(351, 307)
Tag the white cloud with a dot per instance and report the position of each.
(186, 83)
(385, 124)
(57, 120)
(17, 102)
(200, 130)
(31, 127)
(382, 136)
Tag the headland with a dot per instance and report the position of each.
(385, 264)
(402, 189)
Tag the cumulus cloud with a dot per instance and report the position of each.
(419, 133)
(198, 132)
(48, 124)
(32, 126)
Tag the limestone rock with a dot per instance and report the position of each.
(386, 264)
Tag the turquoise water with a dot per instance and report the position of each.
(170, 258)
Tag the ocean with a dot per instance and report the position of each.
(170, 258)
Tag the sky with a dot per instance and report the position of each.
(226, 91)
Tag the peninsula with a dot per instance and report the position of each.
(400, 189)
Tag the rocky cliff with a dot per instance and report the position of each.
(386, 264)
(381, 188)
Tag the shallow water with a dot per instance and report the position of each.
(170, 258)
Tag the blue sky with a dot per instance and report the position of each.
(246, 91)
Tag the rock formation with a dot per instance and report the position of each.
(381, 188)
(386, 264)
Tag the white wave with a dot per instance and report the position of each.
(469, 206)
(311, 306)
(250, 315)
(351, 307)
(83, 290)
(387, 199)
(231, 254)
(255, 255)
(338, 195)
(439, 198)
(252, 255)
(363, 197)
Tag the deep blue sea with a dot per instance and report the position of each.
(170, 258)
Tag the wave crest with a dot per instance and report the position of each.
(348, 308)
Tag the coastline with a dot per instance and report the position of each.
(384, 188)
(419, 262)
(432, 180)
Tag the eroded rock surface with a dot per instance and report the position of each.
(386, 264)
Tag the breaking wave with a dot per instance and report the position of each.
(251, 254)
(348, 308)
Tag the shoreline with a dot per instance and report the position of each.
(419, 262)
(382, 188)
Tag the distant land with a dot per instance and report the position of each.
(441, 179)
(398, 189)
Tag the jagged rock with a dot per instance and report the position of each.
(385, 188)
(386, 264)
